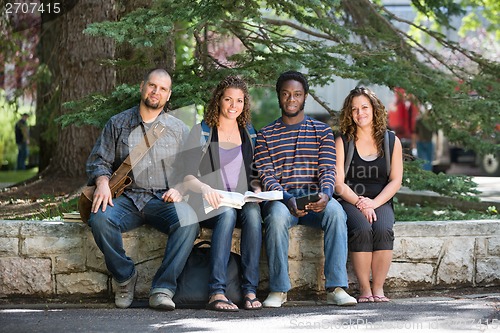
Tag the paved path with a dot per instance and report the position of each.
(489, 188)
(470, 313)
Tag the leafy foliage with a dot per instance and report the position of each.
(460, 187)
(355, 39)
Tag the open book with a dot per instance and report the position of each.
(72, 217)
(237, 200)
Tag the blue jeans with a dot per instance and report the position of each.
(108, 226)
(278, 220)
(22, 155)
(250, 221)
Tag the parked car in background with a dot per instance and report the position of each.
(447, 153)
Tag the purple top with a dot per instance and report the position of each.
(231, 161)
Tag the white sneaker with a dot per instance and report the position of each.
(161, 301)
(124, 295)
(340, 297)
(274, 300)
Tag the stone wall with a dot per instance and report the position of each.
(59, 259)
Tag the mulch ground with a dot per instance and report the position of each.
(39, 198)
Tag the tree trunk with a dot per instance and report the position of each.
(79, 72)
(47, 89)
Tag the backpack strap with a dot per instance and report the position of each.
(205, 137)
(389, 139)
(387, 153)
(348, 152)
(252, 134)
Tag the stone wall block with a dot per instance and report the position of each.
(294, 249)
(423, 248)
(82, 283)
(9, 247)
(10, 228)
(304, 274)
(409, 276)
(143, 240)
(305, 242)
(25, 276)
(399, 250)
(264, 277)
(494, 246)
(446, 228)
(481, 247)
(58, 229)
(487, 272)
(69, 263)
(456, 267)
(39, 246)
(94, 257)
(412, 229)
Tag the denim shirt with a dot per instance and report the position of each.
(154, 173)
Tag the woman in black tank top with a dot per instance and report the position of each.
(367, 189)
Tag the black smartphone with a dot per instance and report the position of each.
(304, 200)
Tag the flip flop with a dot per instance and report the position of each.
(380, 299)
(249, 300)
(366, 299)
(213, 306)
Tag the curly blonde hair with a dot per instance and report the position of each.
(346, 122)
(212, 112)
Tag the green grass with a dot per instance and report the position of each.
(15, 177)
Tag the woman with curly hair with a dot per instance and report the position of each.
(223, 160)
(367, 188)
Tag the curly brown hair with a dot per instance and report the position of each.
(212, 112)
(347, 125)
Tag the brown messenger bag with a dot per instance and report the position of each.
(119, 179)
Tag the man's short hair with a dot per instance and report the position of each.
(157, 70)
(292, 75)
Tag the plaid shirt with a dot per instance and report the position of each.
(155, 171)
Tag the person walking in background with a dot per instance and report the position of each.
(220, 157)
(402, 115)
(366, 190)
(296, 154)
(422, 141)
(22, 132)
(151, 199)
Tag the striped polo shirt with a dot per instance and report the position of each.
(299, 156)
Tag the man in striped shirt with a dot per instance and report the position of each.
(296, 154)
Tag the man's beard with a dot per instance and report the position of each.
(151, 105)
(292, 114)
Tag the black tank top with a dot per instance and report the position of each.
(367, 178)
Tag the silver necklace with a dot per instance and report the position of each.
(228, 137)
